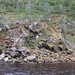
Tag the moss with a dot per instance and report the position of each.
(70, 38)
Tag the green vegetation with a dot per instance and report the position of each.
(4, 33)
(2, 47)
(39, 7)
(71, 38)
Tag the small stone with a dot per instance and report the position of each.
(37, 37)
(49, 19)
(15, 54)
(28, 52)
(35, 23)
(13, 60)
(69, 52)
(31, 58)
(61, 46)
(18, 22)
(22, 49)
(6, 59)
(31, 27)
(26, 20)
(16, 40)
(25, 34)
(2, 56)
(50, 45)
(7, 26)
(72, 58)
(0, 29)
(25, 59)
(13, 48)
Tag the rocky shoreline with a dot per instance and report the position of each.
(29, 56)
(35, 41)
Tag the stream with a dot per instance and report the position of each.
(37, 69)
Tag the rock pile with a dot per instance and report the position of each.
(35, 42)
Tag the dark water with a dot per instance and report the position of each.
(37, 69)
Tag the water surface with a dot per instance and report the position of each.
(37, 69)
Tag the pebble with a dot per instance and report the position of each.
(13, 48)
(25, 59)
(2, 56)
(7, 26)
(31, 58)
(22, 49)
(0, 29)
(35, 23)
(6, 59)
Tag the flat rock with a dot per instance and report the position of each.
(2, 56)
(72, 58)
(22, 49)
(13, 48)
(31, 58)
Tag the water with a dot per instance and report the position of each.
(37, 69)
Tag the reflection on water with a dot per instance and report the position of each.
(37, 69)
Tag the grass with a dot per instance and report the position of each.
(70, 38)
(2, 47)
(4, 33)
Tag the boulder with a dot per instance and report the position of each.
(13, 48)
(22, 49)
(31, 58)
(15, 54)
(50, 46)
(2, 56)
(72, 58)
(6, 59)
(28, 52)
(35, 29)
(25, 59)
(61, 47)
